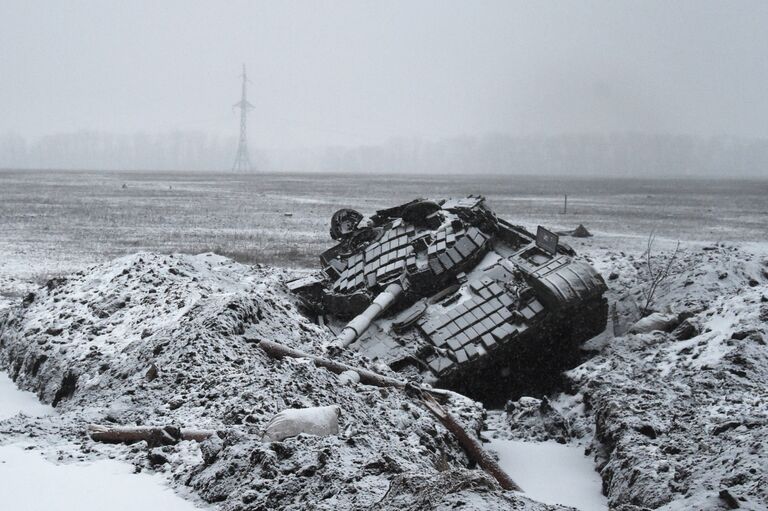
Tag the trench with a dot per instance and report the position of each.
(552, 473)
(548, 472)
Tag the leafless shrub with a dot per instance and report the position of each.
(659, 268)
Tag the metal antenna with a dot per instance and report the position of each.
(242, 160)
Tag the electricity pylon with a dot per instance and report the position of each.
(242, 160)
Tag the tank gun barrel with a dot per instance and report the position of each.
(362, 321)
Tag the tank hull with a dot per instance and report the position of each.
(484, 307)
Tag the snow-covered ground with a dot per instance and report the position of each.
(672, 418)
(14, 401)
(549, 472)
(169, 340)
(30, 481)
(553, 473)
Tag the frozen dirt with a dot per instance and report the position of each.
(172, 340)
(671, 419)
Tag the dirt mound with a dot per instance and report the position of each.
(676, 415)
(156, 340)
(680, 413)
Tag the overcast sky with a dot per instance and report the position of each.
(363, 72)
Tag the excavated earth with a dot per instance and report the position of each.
(680, 414)
(172, 340)
(676, 417)
(675, 414)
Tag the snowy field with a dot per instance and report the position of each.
(53, 222)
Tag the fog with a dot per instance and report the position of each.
(413, 86)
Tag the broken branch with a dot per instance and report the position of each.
(367, 377)
(154, 435)
(470, 444)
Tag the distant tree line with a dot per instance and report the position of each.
(625, 154)
(96, 150)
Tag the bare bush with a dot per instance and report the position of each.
(659, 268)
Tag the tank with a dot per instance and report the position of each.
(449, 294)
